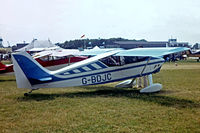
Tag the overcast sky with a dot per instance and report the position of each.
(61, 20)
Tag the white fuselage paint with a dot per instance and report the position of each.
(106, 75)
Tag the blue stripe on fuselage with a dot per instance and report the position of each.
(101, 65)
(81, 69)
(59, 79)
(91, 67)
(71, 72)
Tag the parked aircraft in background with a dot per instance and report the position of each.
(6, 68)
(103, 67)
(52, 59)
(194, 54)
(56, 59)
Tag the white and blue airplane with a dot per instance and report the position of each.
(104, 66)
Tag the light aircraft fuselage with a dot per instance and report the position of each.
(103, 67)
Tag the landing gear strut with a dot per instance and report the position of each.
(147, 87)
(127, 84)
(26, 94)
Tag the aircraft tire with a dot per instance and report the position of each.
(25, 94)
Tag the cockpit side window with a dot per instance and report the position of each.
(134, 59)
(122, 60)
(112, 61)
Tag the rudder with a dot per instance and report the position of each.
(28, 72)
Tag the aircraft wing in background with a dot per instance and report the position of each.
(57, 53)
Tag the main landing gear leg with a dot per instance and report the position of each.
(26, 94)
(149, 86)
(127, 83)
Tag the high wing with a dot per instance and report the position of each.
(150, 52)
(93, 52)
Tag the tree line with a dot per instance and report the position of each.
(85, 43)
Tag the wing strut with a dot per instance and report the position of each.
(149, 86)
(145, 66)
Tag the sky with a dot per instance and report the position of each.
(61, 20)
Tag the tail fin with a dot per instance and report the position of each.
(29, 72)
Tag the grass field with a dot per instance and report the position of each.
(103, 108)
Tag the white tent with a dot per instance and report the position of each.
(38, 45)
(96, 47)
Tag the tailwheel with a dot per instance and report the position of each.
(26, 94)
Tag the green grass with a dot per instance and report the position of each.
(183, 64)
(103, 108)
(6, 62)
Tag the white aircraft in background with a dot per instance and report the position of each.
(51, 59)
(104, 66)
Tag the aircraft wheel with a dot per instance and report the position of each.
(25, 94)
